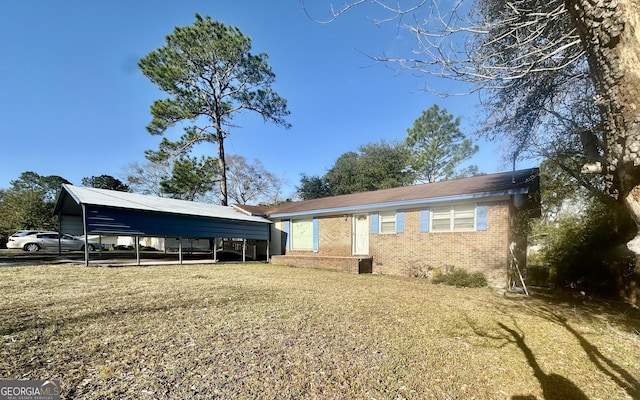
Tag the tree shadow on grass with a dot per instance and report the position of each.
(615, 372)
(554, 386)
(30, 318)
(626, 317)
(552, 309)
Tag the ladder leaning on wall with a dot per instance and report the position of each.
(514, 268)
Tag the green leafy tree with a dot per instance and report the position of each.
(191, 178)
(210, 75)
(374, 166)
(312, 187)
(582, 234)
(105, 182)
(346, 175)
(438, 146)
(584, 249)
(385, 165)
(29, 202)
(564, 191)
(25, 210)
(49, 186)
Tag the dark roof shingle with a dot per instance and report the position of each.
(500, 184)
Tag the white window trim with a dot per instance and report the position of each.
(387, 217)
(452, 209)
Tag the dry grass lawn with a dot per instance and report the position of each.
(269, 332)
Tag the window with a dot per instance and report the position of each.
(458, 218)
(302, 234)
(464, 218)
(388, 222)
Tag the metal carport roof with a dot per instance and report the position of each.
(108, 212)
(114, 212)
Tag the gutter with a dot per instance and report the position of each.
(405, 203)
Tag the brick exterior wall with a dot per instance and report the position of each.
(413, 252)
(354, 265)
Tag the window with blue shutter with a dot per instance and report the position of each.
(374, 223)
(400, 221)
(482, 216)
(315, 235)
(301, 233)
(424, 220)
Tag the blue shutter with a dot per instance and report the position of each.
(482, 220)
(400, 221)
(286, 234)
(424, 220)
(315, 235)
(374, 223)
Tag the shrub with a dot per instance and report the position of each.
(418, 269)
(587, 250)
(461, 278)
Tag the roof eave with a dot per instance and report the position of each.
(59, 200)
(247, 212)
(68, 190)
(406, 203)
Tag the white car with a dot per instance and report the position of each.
(38, 240)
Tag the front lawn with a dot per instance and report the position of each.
(270, 332)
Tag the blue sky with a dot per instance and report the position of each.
(73, 102)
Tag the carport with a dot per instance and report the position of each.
(90, 211)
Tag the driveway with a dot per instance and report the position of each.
(15, 257)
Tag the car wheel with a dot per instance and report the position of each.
(91, 248)
(31, 247)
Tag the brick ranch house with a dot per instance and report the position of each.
(465, 223)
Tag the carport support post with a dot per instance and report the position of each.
(86, 247)
(137, 239)
(244, 250)
(59, 236)
(86, 236)
(215, 250)
(268, 244)
(180, 249)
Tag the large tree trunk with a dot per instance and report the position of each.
(222, 166)
(610, 32)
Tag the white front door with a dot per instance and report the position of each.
(361, 234)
